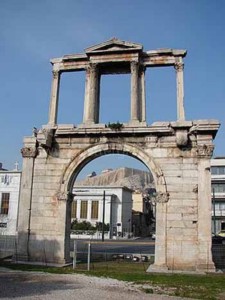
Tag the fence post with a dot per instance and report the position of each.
(89, 256)
(74, 254)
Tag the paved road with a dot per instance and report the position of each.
(43, 286)
(115, 246)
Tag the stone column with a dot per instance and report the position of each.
(97, 103)
(53, 109)
(160, 263)
(142, 94)
(91, 95)
(135, 105)
(25, 202)
(179, 66)
(86, 97)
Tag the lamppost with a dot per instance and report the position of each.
(103, 217)
(150, 202)
(214, 211)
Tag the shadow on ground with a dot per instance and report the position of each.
(15, 285)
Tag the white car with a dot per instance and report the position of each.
(221, 233)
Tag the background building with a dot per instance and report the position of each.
(88, 206)
(218, 194)
(9, 199)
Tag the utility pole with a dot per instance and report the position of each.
(103, 217)
(214, 212)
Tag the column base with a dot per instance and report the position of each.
(24, 259)
(209, 268)
(91, 125)
(201, 269)
(157, 269)
(136, 123)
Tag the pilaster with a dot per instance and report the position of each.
(29, 154)
(142, 94)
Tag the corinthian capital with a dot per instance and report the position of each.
(93, 67)
(134, 66)
(29, 152)
(179, 66)
(55, 74)
(205, 150)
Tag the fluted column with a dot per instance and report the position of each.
(142, 94)
(53, 109)
(91, 95)
(135, 107)
(86, 97)
(179, 67)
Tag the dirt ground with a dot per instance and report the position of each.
(36, 285)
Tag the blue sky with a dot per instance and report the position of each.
(32, 32)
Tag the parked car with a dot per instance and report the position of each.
(218, 239)
(221, 233)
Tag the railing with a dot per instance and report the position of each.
(88, 234)
(7, 245)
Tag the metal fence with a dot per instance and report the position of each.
(88, 258)
(7, 245)
(218, 255)
(92, 259)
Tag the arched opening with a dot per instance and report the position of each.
(116, 190)
(116, 229)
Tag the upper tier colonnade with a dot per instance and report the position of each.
(116, 57)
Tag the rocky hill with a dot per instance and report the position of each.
(131, 178)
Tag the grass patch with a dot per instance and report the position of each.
(210, 287)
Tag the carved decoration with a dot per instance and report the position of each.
(45, 138)
(181, 138)
(134, 66)
(195, 189)
(179, 66)
(93, 67)
(55, 74)
(205, 150)
(142, 69)
(160, 197)
(29, 152)
(64, 196)
(61, 196)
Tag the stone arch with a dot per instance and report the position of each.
(85, 156)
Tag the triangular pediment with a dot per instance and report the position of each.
(114, 45)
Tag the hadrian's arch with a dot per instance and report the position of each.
(177, 153)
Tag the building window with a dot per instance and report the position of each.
(74, 209)
(218, 187)
(94, 209)
(218, 170)
(83, 209)
(5, 204)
